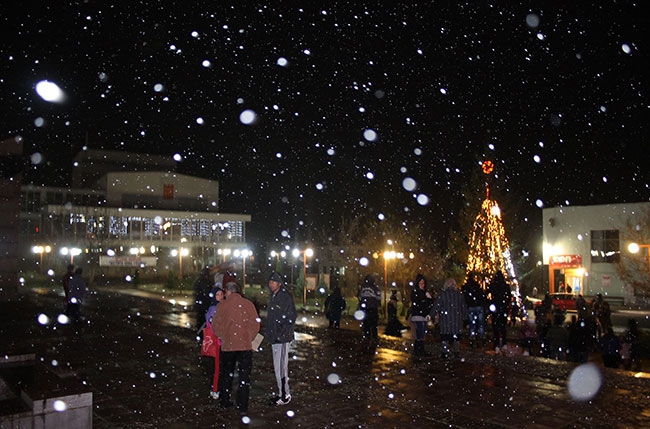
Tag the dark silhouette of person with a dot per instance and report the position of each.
(393, 327)
(476, 302)
(580, 340)
(499, 305)
(610, 348)
(334, 306)
(369, 301)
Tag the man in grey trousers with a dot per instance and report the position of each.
(281, 319)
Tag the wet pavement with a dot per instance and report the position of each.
(139, 356)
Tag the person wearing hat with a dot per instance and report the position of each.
(236, 323)
(281, 319)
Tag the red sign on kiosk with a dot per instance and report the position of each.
(566, 260)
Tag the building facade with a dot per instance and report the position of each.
(584, 246)
(130, 217)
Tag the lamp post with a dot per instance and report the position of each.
(40, 250)
(635, 248)
(180, 252)
(388, 254)
(277, 256)
(244, 254)
(305, 254)
(72, 251)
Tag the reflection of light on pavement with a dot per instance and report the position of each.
(301, 336)
(641, 375)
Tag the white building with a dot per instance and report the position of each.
(584, 244)
(130, 211)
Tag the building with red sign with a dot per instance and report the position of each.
(584, 247)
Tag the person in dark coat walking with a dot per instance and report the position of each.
(451, 310)
(334, 306)
(421, 303)
(499, 305)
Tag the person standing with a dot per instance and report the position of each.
(610, 348)
(217, 295)
(65, 282)
(76, 292)
(451, 311)
(602, 312)
(202, 289)
(281, 320)
(580, 340)
(499, 303)
(421, 303)
(393, 327)
(334, 306)
(236, 324)
(476, 302)
(369, 302)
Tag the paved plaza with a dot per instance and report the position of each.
(137, 353)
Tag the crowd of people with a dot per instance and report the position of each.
(484, 313)
(481, 312)
(590, 330)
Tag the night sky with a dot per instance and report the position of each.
(350, 99)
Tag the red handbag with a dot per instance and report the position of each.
(210, 346)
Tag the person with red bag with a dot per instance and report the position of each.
(211, 343)
(236, 323)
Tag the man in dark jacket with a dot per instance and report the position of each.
(281, 319)
(369, 302)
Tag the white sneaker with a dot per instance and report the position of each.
(284, 401)
(214, 395)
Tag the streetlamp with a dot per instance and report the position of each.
(305, 254)
(388, 254)
(182, 251)
(40, 250)
(224, 253)
(277, 256)
(72, 251)
(243, 253)
(635, 248)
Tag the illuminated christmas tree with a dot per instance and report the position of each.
(489, 250)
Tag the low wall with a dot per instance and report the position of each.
(33, 396)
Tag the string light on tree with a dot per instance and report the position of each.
(489, 250)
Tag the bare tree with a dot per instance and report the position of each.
(634, 269)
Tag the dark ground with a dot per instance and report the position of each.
(138, 355)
